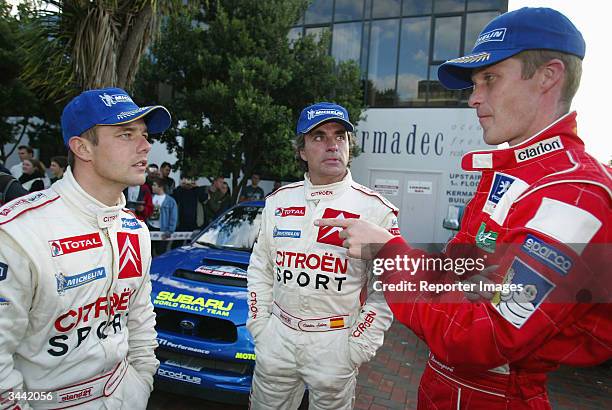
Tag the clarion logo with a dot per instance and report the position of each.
(494, 35)
(538, 149)
(179, 376)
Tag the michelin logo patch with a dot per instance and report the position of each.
(130, 223)
(547, 254)
(286, 233)
(518, 306)
(501, 185)
(3, 271)
(494, 35)
(74, 281)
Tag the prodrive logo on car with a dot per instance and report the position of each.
(179, 376)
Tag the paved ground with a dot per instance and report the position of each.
(390, 381)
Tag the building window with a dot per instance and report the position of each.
(348, 10)
(413, 61)
(382, 62)
(399, 44)
(346, 41)
(319, 11)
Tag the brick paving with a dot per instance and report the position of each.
(390, 381)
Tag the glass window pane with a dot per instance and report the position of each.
(317, 32)
(475, 22)
(412, 7)
(484, 5)
(448, 6)
(364, 48)
(319, 11)
(348, 10)
(386, 8)
(346, 41)
(368, 9)
(294, 34)
(447, 38)
(438, 95)
(413, 59)
(382, 62)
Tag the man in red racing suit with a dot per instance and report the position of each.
(540, 218)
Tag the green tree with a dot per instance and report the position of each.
(73, 45)
(241, 85)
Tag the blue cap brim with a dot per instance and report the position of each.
(456, 74)
(157, 118)
(347, 125)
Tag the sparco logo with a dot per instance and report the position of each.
(179, 376)
(291, 211)
(547, 254)
(73, 244)
(538, 149)
(494, 35)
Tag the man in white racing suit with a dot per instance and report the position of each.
(76, 319)
(313, 314)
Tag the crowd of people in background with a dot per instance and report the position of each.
(159, 202)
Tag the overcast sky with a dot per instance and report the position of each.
(595, 87)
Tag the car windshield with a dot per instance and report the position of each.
(236, 229)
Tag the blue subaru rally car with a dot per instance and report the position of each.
(200, 297)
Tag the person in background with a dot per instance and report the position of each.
(164, 171)
(219, 199)
(33, 177)
(58, 167)
(24, 152)
(139, 200)
(152, 172)
(277, 184)
(252, 192)
(165, 215)
(189, 197)
(10, 188)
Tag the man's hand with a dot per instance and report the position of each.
(363, 239)
(484, 277)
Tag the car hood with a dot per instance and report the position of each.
(202, 281)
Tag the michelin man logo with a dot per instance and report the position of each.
(519, 305)
(110, 100)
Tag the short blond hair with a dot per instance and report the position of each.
(531, 60)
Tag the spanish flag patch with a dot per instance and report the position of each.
(336, 322)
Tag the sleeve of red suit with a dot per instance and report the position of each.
(513, 325)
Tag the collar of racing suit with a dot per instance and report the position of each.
(561, 135)
(329, 191)
(99, 214)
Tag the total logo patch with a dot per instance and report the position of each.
(290, 211)
(130, 261)
(547, 254)
(130, 223)
(501, 184)
(331, 234)
(3, 271)
(286, 233)
(74, 244)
